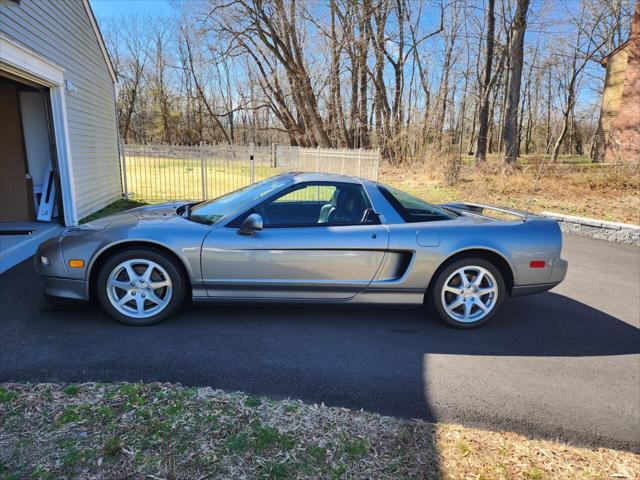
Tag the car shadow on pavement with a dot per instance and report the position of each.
(545, 325)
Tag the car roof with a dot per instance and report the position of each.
(300, 177)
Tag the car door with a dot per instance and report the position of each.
(309, 248)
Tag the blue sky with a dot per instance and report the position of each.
(104, 9)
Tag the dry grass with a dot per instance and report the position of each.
(604, 192)
(155, 431)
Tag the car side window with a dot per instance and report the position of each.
(316, 205)
(310, 193)
(413, 209)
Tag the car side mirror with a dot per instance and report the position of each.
(251, 225)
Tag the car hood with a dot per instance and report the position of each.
(149, 213)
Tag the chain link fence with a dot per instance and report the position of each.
(194, 172)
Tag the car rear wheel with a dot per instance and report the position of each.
(140, 287)
(468, 292)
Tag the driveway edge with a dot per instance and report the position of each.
(624, 233)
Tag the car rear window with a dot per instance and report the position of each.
(412, 209)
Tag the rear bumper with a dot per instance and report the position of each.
(559, 270)
(66, 288)
(558, 273)
(520, 290)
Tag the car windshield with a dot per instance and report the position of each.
(211, 211)
(411, 208)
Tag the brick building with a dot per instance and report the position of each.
(619, 128)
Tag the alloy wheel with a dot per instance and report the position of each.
(139, 288)
(469, 294)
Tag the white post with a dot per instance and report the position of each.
(359, 160)
(318, 158)
(203, 170)
(123, 160)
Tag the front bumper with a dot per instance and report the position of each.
(66, 288)
(55, 275)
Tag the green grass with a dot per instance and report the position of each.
(269, 437)
(69, 415)
(6, 396)
(236, 443)
(252, 401)
(274, 471)
(357, 448)
(153, 179)
(72, 390)
(112, 447)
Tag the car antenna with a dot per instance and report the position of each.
(536, 180)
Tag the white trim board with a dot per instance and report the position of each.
(14, 56)
(24, 63)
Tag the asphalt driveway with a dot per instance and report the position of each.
(564, 364)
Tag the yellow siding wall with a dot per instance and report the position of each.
(613, 88)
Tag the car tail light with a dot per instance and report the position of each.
(537, 264)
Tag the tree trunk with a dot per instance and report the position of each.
(483, 111)
(363, 44)
(510, 129)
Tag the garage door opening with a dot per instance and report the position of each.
(30, 203)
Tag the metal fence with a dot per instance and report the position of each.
(193, 172)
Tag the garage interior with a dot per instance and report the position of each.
(29, 188)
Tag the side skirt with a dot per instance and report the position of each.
(407, 297)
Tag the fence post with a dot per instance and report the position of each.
(203, 170)
(274, 161)
(251, 156)
(359, 160)
(318, 158)
(123, 163)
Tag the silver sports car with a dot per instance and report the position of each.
(306, 237)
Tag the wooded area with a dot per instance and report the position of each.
(410, 77)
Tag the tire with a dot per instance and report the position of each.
(114, 283)
(456, 303)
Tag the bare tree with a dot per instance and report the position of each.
(576, 57)
(128, 45)
(485, 84)
(516, 54)
(398, 75)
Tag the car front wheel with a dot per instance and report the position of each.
(468, 292)
(140, 287)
